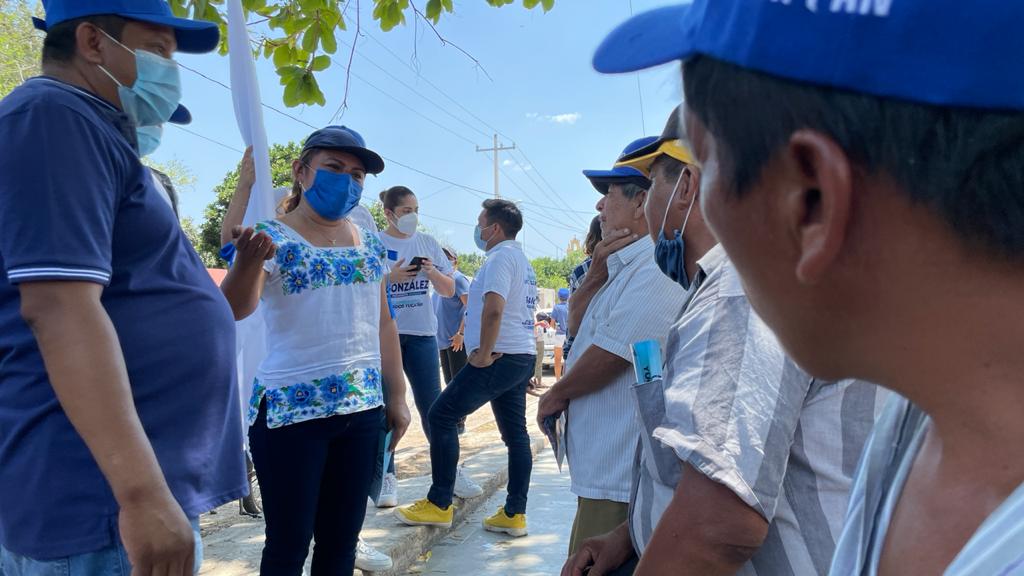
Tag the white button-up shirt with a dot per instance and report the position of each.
(637, 303)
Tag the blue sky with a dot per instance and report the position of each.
(542, 94)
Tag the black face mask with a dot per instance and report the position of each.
(670, 254)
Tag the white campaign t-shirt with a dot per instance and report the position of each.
(414, 312)
(508, 273)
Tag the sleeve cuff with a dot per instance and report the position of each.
(66, 273)
(620, 349)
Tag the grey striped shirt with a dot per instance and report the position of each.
(733, 406)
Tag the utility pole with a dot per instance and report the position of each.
(497, 167)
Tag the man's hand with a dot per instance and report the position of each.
(615, 241)
(252, 246)
(551, 403)
(480, 360)
(247, 171)
(398, 420)
(158, 538)
(601, 554)
(427, 267)
(400, 273)
(457, 342)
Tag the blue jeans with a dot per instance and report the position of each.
(314, 477)
(112, 561)
(422, 365)
(503, 384)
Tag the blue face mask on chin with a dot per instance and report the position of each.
(670, 254)
(149, 139)
(333, 195)
(156, 93)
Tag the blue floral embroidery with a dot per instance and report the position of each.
(289, 255)
(295, 281)
(345, 393)
(320, 271)
(345, 271)
(332, 389)
(301, 394)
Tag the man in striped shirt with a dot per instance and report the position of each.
(636, 302)
(865, 174)
(745, 461)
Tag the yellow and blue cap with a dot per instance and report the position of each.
(602, 179)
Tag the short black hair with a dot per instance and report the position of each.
(966, 165)
(673, 168)
(60, 42)
(505, 214)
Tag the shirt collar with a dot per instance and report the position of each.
(715, 258)
(116, 117)
(504, 243)
(641, 248)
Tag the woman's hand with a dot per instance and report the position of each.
(247, 171)
(457, 341)
(400, 273)
(253, 247)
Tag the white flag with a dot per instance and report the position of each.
(251, 343)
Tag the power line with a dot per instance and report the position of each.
(208, 139)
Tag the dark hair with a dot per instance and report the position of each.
(505, 214)
(61, 41)
(673, 168)
(450, 254)
(393, 196)
(966, 165)
(593, 236)
(291, 201)
(631, 190)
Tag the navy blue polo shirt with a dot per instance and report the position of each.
(76, 204)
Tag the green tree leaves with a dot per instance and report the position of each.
(303, 34)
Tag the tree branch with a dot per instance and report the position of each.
(348, 69)
(446, 42)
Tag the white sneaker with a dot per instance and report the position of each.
(388, 492)
(369, 559)
(464, 485)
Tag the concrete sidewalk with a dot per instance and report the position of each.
(470, 549)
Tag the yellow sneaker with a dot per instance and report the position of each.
(425, 513)
(500, 522)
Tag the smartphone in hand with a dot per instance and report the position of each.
(417, 262)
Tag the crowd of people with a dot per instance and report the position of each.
(824, 253)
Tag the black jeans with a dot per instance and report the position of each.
(503, 384)
(314, 477)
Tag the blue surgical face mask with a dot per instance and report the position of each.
(478, 238)
(149, 139)
(670, 254)
(333, 195)
(157, 90)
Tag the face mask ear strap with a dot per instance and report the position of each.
(689, 210)
(664, 219)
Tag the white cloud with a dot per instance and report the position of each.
(507, 163)
(568, 118)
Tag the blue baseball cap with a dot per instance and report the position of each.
(563, 293)
(193, 36)
(181, 116)
(955, 53)
(347, 140)
(602, 179)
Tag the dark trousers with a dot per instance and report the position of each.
(503, 384)
(314, 477)
(420, 361)
(421, 364)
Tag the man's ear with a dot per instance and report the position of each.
(689, 187)
(638, 210)
(816, 201)
(88, 42)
